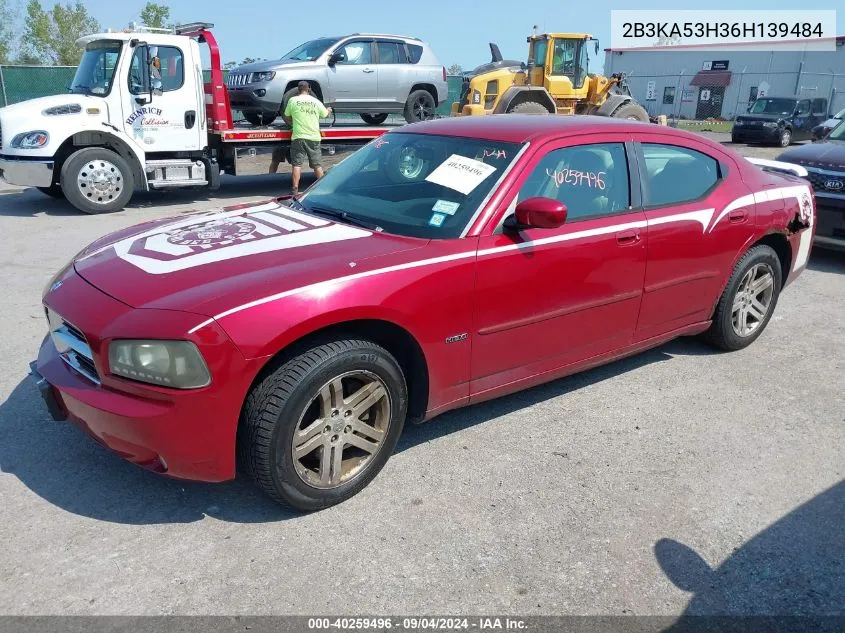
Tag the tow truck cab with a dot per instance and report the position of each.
(141, 115)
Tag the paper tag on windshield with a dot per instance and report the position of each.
(460, 173)
(446, 206)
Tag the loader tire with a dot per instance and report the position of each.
(631, 111)
(529, 107)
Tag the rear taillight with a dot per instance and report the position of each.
(444, 73)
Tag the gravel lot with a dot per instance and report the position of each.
(583, 496)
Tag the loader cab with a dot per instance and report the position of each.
(559, 62)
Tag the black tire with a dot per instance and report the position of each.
(722, 333)
(260, 118)
(54, 191)
(374, 119)
(632, 111)
(529, 107)
(95, 200)
(274, 407)
(285, 97)
(420, 106)
(785, 138)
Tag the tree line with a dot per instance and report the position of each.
(48, 37)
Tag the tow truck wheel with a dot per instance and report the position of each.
(374, 119)
(54, 191)
(97, 180)
(320, 426)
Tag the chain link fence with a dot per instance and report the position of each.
(21, 83)
(719, 96)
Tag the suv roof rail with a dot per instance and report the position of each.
(404, 37)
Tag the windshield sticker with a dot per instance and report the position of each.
(437, 219)
(446, 206)
(577, 178)
(460, 173)
(495, 153)
(380, 142)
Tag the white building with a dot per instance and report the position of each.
(691, 83)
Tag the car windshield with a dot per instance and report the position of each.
(773, 106)
(95, 72)
(838, 133)
(417, 185)
(310, 50)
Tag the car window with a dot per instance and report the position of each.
(804, 107)
(591, 180)
(414, 53)
(820, 107)
(675, 175)
(168, 75)
(356, 53)
(783, 107)
(388, 53)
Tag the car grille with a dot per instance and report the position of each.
(825, 180)
(72, 346)
(235, 80)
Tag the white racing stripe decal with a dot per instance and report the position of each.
(703, 217)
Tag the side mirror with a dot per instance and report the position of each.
(335, 58)
(537, 213)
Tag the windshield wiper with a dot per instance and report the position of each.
(345, 217)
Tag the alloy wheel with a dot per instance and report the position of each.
(341, 430)
(422, 109)
(753, 299)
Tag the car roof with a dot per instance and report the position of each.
(521, 128)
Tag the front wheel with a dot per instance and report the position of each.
(529, 107)
(420, 106)
(316, 430)
(374, 119)
(748, 301)
(97, 180)
(632, 112)
(785, 138)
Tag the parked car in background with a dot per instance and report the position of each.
(443, 264)
(368, 74)
(779, 120)
(824, 161)
(826, 126)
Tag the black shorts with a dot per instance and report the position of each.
(300, 149)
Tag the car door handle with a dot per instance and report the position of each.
(738, 216)
(628, 238)
(369, 70)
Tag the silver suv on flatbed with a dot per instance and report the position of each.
(370, 74)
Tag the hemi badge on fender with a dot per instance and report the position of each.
(456, 338)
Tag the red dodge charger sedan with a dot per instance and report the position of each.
(445, 263)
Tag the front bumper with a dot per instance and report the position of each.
(26, 173)
(186, 434)
(830, 232)
(250, 99)
(759, 134)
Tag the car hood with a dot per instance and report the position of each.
(762, 117)
(827, 153)
(275, 64)
(207, 263)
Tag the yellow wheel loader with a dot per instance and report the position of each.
(556, 80)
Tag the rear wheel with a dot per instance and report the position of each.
(631, 111)
(529, 107)
(420, 106)
(97, 180)
(54, 191)
(319, 428)
(748, 301)
(374, 119)
(260, 118)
